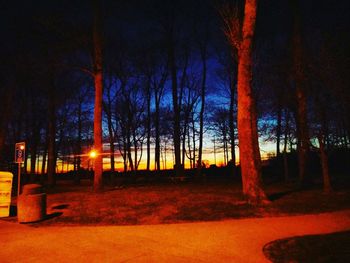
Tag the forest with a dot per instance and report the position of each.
(161, 85)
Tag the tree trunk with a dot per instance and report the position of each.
(128, 139)
(148, 142)
(278, 130)
(33, 157)
(97, 41)
(194, 142)
(324, 163)
(51, 161)
(176, 114)
(43, 165)
(4, 118)
(285, 143)
(247, 119)
(301, 118)
(111, 142)
(35, 138)
(303, 135)
(184, 134)
(108, 111)
(201, 113)
(232, 128)
(157, 135)
(78, 160)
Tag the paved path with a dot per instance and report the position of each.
(239, 240)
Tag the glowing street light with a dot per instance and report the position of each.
(93, 154)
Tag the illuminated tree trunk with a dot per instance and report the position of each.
(247, 119)
(97, 41)
(324, 163)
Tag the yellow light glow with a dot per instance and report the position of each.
(93, 154)
(21, 147)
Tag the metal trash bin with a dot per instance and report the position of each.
(31, 205)
(5, 193)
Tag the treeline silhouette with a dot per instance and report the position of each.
(300, 84)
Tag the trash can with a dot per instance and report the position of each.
(5, 193)
(31, 205)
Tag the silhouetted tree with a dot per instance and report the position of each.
(298, 70)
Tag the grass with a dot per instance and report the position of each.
(330, 248)
(176, 203)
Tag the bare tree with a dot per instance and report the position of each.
(301, 110)
(241, 39)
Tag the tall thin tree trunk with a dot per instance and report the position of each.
(43, 165)
(97, 41)
(324, 163)
(214, 151)
(278, 130)
(194, 142)
(148, 141)
(111, 144)
(303, 136)
(51, 161)
(7, 100)
(247, 118)
(78, 153)
(108, 110)
(176, 118)
(35, 137)
(232, 127)
(184, 134)
(165, 150)
(302, 124)
(285, 144)
(201, 113)
(33, 157)
(111, 154)
(157, 135)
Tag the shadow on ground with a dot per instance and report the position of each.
(279, 195)
(312, 248)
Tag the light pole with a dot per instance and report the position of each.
(19, 159)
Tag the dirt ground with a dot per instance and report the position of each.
(172, 222)
(234, 240)
(179, 203)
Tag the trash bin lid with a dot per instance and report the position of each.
(5, 174)
(32, 189)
